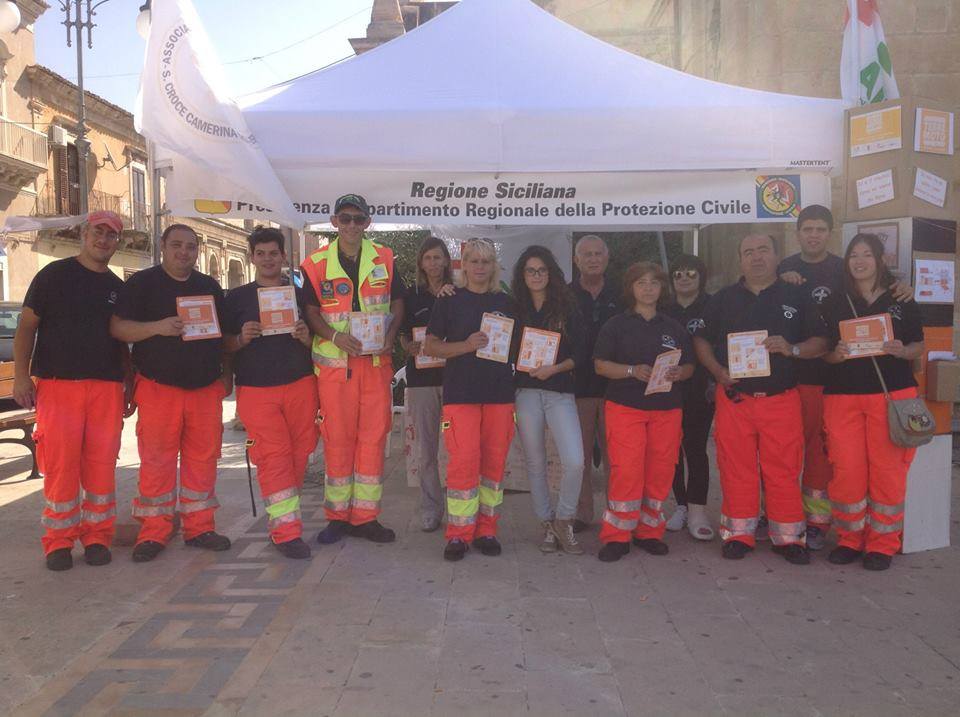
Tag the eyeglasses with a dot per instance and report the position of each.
(531, 271)
(345, 218)
(689, 273)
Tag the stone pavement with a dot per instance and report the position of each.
(363, 629)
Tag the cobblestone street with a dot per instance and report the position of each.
(364, 629)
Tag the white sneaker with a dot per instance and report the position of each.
(429, 523)
(678, 519)
(698, 523)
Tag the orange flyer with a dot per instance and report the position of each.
(278, 309)
(537, 348)
(499, 331)
(658, 382)
(866, 335)
(747, 357)
(421, 360)
(199, 316)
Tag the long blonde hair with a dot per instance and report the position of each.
(484, 249)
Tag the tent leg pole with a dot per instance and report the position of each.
(663, 251)
(696, 240)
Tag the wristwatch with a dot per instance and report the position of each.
(795, 351)
(629, 371)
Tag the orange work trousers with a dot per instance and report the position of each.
(355, 418)
(643, 447)
(869, 471)
(281, 423)
(817, 471)
(177, 423)
(78, 440)
(760, 441)
(477, 437)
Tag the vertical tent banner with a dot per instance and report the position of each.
(190, 113)
(866, 72)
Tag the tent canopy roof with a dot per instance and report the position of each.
(501, 85)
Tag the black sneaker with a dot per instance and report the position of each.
(455, 550)
(296, 549)
(209, 541)
(373, 532)
(580, 525)
(842, 555)
(97, 554)
(60, 559)
(877, 561)
(652, 545)
(334, 532)
(612, 552)
(793, 553)
(488, 545)
(147, 550)
(735, 550)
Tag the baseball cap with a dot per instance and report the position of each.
(352, 200)
(104, 217)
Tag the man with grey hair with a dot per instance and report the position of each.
(598, 302)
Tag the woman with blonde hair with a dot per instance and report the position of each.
(477, 421)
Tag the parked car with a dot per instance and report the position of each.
(9, 318)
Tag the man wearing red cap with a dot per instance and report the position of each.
(63, 340)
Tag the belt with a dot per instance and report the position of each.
(735, 395)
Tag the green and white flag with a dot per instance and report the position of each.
(866, 73)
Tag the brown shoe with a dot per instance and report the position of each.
(567, 541)
(549, 543)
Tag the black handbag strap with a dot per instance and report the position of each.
(872, 358)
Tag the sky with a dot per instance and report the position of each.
(291, 37)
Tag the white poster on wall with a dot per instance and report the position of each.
(875, 189)
(935, 281)
(930, 188)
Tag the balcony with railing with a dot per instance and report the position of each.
(23, 153)
(135, 215)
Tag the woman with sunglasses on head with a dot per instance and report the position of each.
(478, 396)
(869, 471)
(424, 397)
(688, 277)
(545, 395)
(643, 431)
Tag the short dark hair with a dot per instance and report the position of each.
(689, 261)
(813, 212)
(635, 272)
(178, 228)
(884, 278)
(266, 235)
(773, 242)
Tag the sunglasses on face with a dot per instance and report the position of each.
(689, 273)
(345, 218)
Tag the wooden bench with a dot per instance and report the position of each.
(21, 420)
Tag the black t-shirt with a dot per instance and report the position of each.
(352, 270)
(74, 305)
(571, 346)
(417, 304)
(151, 295)
(823, 280)
(267, 360)
(782, 309)
(467, 378)
(630, 339)
(858, 376)
(691, 318)
(595, 313)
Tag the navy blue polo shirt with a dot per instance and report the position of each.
(691, 318)
(630, 339)
(782, 309)
(824, 279)
(595, 313)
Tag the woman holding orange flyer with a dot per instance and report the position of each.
(643, 429)
(423, 398)
(477, 420)
(551, 344)
(870, 472)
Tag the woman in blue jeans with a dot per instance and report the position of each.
(545, 394)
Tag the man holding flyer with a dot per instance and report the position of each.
(171, 315)
(351, 284)
(276, 388)
(751, 335)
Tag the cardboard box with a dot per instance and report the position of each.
(943, 381)
(903, 162)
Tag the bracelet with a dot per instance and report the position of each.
(333, 339)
